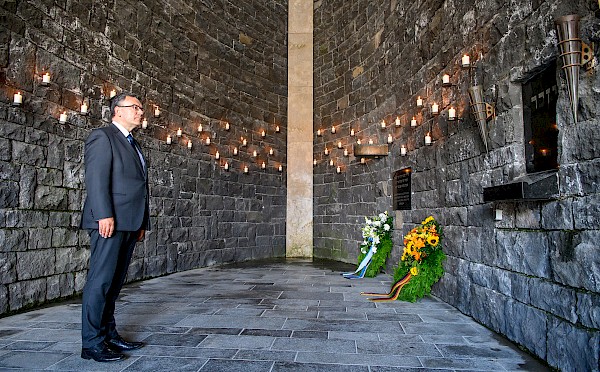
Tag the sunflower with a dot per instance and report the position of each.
(433, 240)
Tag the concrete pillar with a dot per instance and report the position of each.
(299, 222)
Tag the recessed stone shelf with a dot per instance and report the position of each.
(371, 150)
(534, 186)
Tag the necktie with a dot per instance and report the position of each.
(133, 144)
(131, 141)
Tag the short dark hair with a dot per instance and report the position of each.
(116, 100)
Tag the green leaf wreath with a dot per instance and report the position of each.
(377, 229)
(422, 258)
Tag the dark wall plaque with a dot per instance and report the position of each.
(402, 195)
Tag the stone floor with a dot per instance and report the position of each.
(265, 316)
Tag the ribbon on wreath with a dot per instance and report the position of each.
(364, 264)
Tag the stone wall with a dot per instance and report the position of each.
(203, 63)
(533, 276)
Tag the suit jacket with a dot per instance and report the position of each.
(116, 182)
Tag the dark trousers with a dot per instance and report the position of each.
(109, 261)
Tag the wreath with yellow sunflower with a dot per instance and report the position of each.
(422, 258)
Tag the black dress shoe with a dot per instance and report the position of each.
(101, 353)
(118, 344)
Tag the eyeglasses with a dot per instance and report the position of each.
(135, 107)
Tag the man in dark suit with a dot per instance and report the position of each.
(116, 214)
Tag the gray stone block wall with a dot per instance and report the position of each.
(202, 63)
(533, 276)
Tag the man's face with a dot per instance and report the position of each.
(129, 113)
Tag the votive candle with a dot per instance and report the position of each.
(63, 117)
(446, 79)
(403, 150)
(419, 101)
(84, 108)
(451, 113)
(189, 144)
(466, 61)
(332, 129)
(46, 78)
(397, 121)
(208, 140)
(144, 124)
(156, 111)
(435, 109)
(18, 98)
(169, 139)
(235, 151)
(179, 132)
(390, 139)
(428, 139)
(217, 155)
(413, 122)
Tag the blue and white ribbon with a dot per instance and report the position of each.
(362, 268)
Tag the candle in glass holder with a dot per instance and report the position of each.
(84, 108)
(314, 161)
(339, 144)
(362, 160)
(46, 78)
(331, 162)
(332, 129)
(169, 140)
(345, 152)
(179, 132)
(254, 153)
(390, 139)
(326, 151)
(156, 111)
(217, 155)
(352, 132)
(451, 113)
(244, 142)
(435, 109)
(383, 124)
(263, 134)
(466, 61)
(263, 165)
(189, 144)
(339, 170)
(144, 124)
(413, 122)
(17, 99)
(280, 168)
(63, 117)
(245, 169)
(271, 151)
(428, 139)
(319, 132)
(200, 128)
(446, 80)
(398, 121)
(370, 141)
(277, 130)
(419, 101)
(226, 126)
(358, 142)
(403, 150)
(226, 166)
(208, 140)
(235, 151)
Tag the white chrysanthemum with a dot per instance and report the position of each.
(374, 249)
(382, 216)
(376, 240)
(368, 221)
(364, 251)
(386, 227)
(377, 223)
